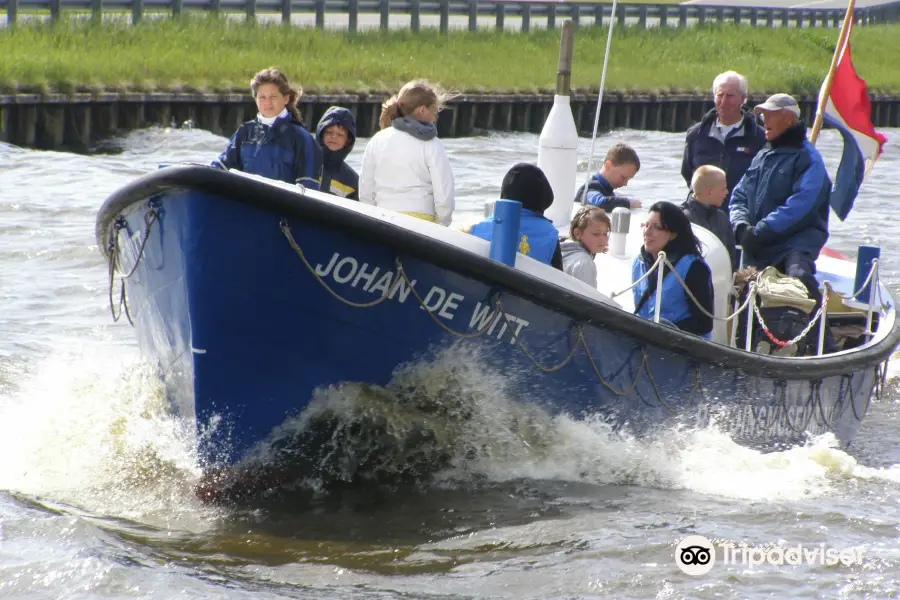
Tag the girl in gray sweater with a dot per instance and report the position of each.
(588, 236)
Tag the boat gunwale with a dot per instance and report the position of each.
(284, 200)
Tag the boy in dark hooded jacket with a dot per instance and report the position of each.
(336, 133)
(538, 238)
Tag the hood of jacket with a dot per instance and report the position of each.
(527, 184)
(337, 115)
(572, 248)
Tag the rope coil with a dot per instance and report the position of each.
(150, 218)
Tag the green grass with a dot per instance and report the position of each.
(210, 54)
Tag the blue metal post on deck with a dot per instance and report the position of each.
(505, 233)
(864, 259)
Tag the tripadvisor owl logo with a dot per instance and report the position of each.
(695, 555)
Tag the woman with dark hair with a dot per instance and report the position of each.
(668, 229)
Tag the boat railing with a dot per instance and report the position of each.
(750, 304)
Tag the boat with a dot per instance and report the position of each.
(263, 304)
(303, 335)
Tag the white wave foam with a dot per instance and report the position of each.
(706, 461)
(91, 428)
(893, 370)
(489, 434)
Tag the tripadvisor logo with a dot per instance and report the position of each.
(696, 555)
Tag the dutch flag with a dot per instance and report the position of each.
(847, 108)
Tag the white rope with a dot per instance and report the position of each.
(690, 295)
(587, 178)
(872, 272)
(642, 278)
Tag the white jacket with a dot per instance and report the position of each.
(400, 172)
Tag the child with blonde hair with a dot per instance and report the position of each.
(275, 144)
(703, 207)
(588, 237)
(405, 167)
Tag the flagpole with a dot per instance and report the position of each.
(829, 79)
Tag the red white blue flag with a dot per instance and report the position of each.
(849, 111)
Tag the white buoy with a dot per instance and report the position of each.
(558, 144)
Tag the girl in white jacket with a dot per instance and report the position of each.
(589, 233)
(405, 167)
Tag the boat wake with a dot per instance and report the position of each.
(91, 429)
(448, 420)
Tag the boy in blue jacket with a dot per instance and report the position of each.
(619, 167)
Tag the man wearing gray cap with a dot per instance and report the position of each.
(779, 209)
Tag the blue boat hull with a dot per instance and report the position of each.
(254, 300)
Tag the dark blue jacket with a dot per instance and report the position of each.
(538, 238)
(338, 177)
(784, 197)
(713, 219)
(285, 151)
(600, 193)
(733, 157)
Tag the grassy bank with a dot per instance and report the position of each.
(209, 54)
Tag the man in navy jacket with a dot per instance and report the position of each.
(727, 136)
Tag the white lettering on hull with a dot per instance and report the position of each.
(348, 270)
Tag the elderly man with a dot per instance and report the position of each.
(779, 210)
(727, 136)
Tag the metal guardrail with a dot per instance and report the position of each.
(633, 15)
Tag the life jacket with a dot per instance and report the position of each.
(675, 305)
(537, 235)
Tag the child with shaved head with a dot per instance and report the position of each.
(709, 190)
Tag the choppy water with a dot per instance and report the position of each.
(95, 478)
